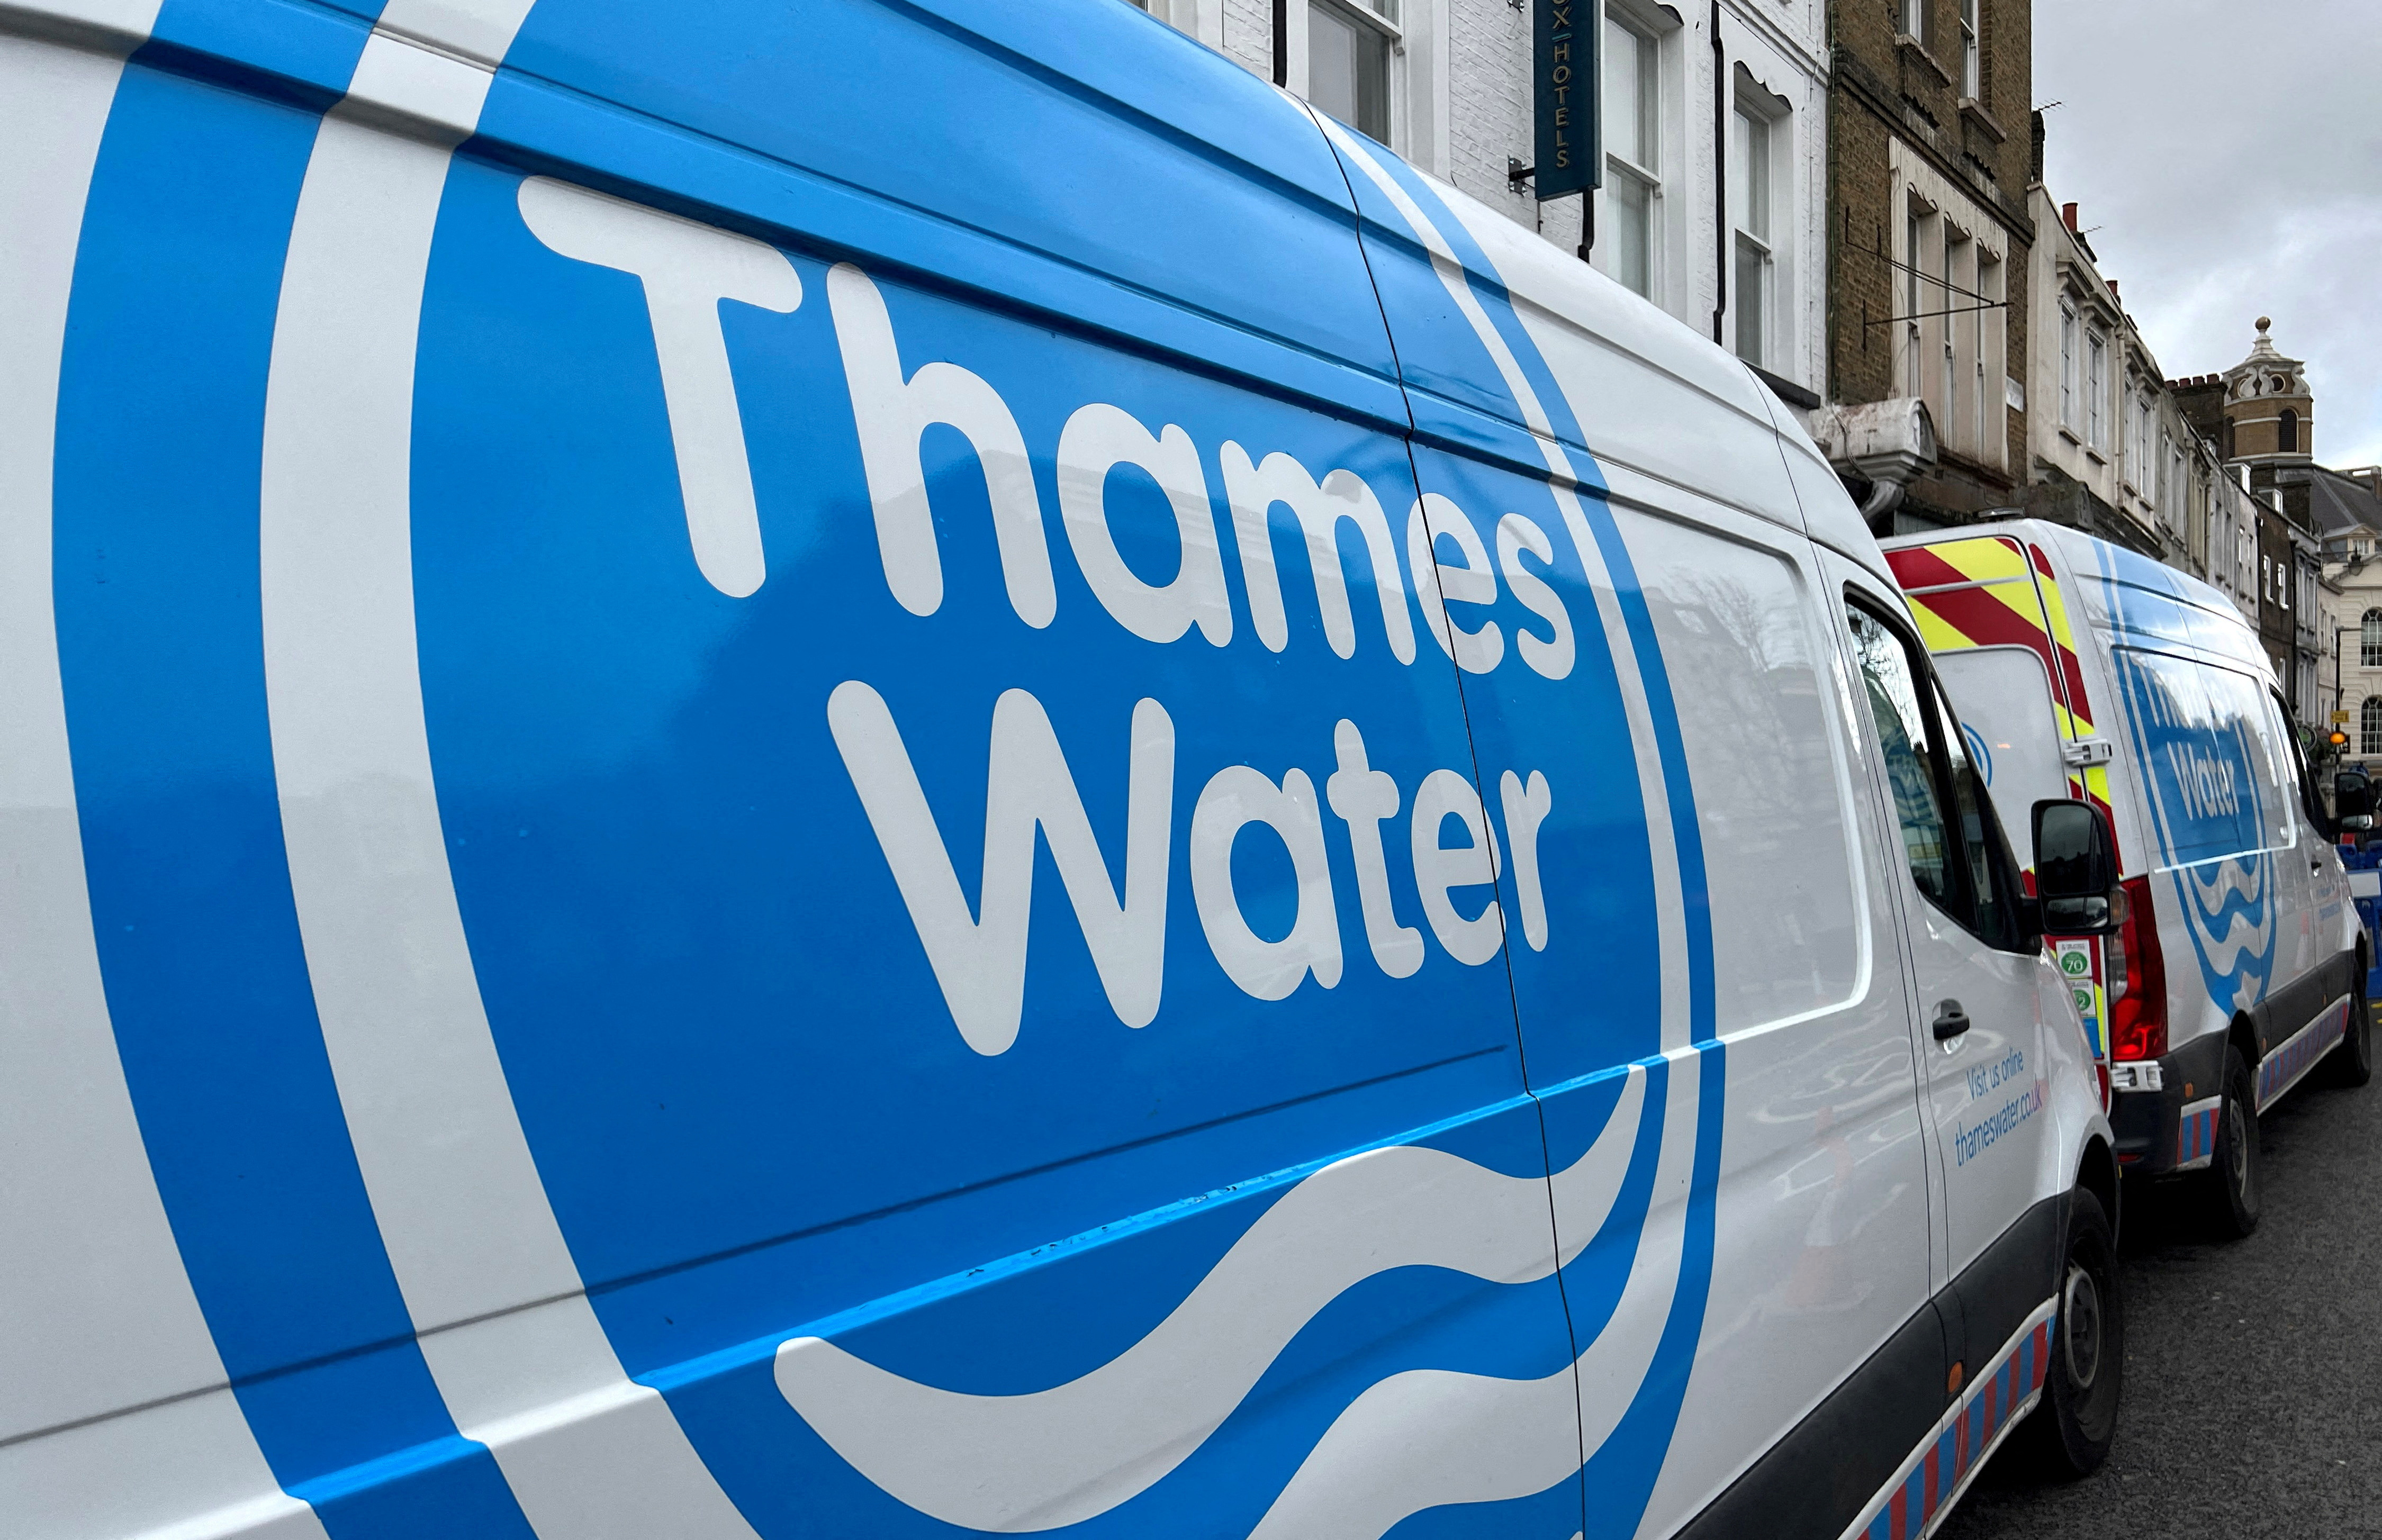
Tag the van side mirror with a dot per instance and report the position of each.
(2352, 800)
(2075, 868)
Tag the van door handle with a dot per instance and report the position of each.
(1950, 1020)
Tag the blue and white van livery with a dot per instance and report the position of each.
(528, 535)
(2241, 966)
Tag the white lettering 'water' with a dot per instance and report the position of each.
(1363, 795)
(1235, 797)
(2206, 784)
(979, 958)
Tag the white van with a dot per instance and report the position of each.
(779, 769)
(2085, 670)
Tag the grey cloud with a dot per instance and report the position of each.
(2231, 155)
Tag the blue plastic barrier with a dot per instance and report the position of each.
(2369, 909)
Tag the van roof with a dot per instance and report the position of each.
(2134, 600)
(1667, 405)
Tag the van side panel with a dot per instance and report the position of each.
(626, 614)
(162, 407)
(1797, 1006)
(114, 1413)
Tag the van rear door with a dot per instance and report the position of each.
(1992, 614)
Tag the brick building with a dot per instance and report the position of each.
(1931, 161)
(1716, 155)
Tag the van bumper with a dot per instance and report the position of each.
(2152, 1134)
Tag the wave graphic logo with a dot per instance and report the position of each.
(2199, 762)
(2232, 926)
(1420, 1439)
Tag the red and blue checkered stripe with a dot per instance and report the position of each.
(1939, 1470)
(2195, 1133)
(2282, 1069)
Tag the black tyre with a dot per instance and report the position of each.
(2352, 1063)
(2231, 1191)
(2076, 1422)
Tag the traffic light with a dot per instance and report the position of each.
(2339, 739)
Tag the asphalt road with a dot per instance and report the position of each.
(2254, 1370)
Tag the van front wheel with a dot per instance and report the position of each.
(2076, 1422)
(2351, 1064)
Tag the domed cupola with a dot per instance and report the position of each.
(2268, 412)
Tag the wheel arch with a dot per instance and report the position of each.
(2096, 1172)
(2242, 1033)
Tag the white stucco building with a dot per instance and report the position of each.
(2107, 427)
(1446, 84)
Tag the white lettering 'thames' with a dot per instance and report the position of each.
(979, 959)
(686, 269)
(891, 411)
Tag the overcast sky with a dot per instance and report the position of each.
(2231, 155)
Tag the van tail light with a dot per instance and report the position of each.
(2137, 977)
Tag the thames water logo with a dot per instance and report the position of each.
(2199, 753)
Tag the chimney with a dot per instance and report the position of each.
(2113, 290)
(2067, 216)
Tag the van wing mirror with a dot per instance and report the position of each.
(2075, 868)
(2352, 798)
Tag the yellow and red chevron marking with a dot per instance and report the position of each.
(1988, 591)
(2096, 778)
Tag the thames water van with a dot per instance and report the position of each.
(2238, 966)
(809, 769)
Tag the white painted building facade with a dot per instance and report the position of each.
(1446, 84)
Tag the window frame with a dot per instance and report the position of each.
(1955, 245)
(2069, 328)
(1933, 702)
(1752, 138)
(1972, 83)
(1982, 261)
(2369, 726)
(1365, 14)
(2311, 808)
(2096, 389)
(1916, 222)
(1645, 177)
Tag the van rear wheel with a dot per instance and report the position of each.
(2351, 1064)
(2231, 1190)
(2076, 1422)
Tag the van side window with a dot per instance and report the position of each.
(1974, 809)
(1910, 757)
(2296, 765)
(1957, 856)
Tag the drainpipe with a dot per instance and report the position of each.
(1720, 177)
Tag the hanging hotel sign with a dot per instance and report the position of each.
(1564, 33)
